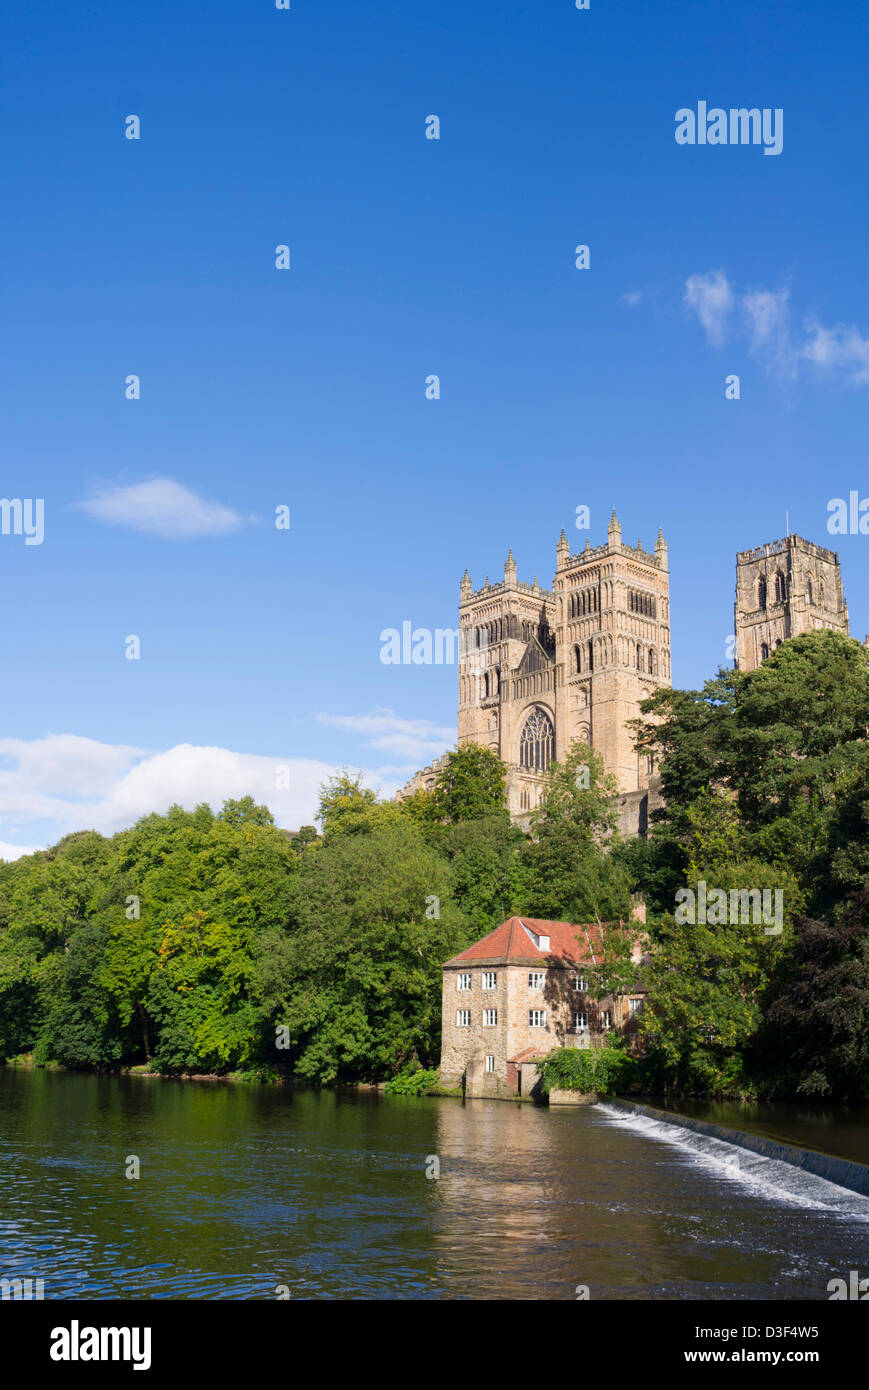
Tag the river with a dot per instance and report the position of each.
(245, 1190)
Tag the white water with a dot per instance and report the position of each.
(769, 1177)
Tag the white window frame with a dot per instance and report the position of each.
(463, 980)
(490, 1064)
(580, 1022)
(463, 1018)
(634, 1007)
(536, 1018)
(490, 979)
(490, 1018)
(606, 1020)
(580, 984)
(536, 979)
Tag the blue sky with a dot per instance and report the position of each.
(559, 388)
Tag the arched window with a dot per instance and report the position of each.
(761, 592)
(639, 657)
(764, 651)
(651, 662)
(486, 686)
(779, 587)
(823, 594)
(577, 659)
(590, 656)
(537, 741)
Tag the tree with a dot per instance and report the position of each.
(471, 786)
(567, 873)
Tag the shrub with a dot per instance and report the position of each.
(603, 1069)
(416, 1083)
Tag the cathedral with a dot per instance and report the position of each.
(541, 668)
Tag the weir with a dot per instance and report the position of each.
(841, 1171)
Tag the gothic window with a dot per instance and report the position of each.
(651, 662)
(577, 658)
(778, 641)
(764, 651)
(779, 587)
(497, 680)
(590, 666)
(811, 593)
(639, 657)
(761, 592)
(822, 594)
(486, 686)
(537, 742)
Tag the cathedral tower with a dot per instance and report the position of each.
(782, 589)
(542, 668)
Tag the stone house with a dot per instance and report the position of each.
(518, 993)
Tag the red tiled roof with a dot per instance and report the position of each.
(511, 941)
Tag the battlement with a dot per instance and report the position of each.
(773, 548)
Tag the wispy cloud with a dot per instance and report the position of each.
(711, 299)
(163, 508)
(841, 352)
(632, 298)
(416, 739)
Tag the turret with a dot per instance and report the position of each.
(614, 530)
(510, 570)
(661, 549)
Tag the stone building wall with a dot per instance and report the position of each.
(785, 588)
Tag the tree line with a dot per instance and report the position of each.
(202, 942)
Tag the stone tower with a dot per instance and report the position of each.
(782, 589)
(541, 668)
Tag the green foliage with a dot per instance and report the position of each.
(566, 871)
(471, 786)
(424, 1082)
(604, 1069)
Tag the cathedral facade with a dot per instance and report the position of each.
(541, 668)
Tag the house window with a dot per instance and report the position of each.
(463, 1018)
(464, 981)
(490, 1018)
(580, 1022)
(490, 979)
(490, 1064)
(634, 1006)
(606, 1019)
(536, 1018)
(580, 984)
(536, 979)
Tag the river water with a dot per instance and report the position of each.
(245, 1190)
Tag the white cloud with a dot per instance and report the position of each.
(632, 298)
(767, 313)
(416, 739)
(63, 783)
(161, 507)
(10, 852)
(841, 351)
(711, 298)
